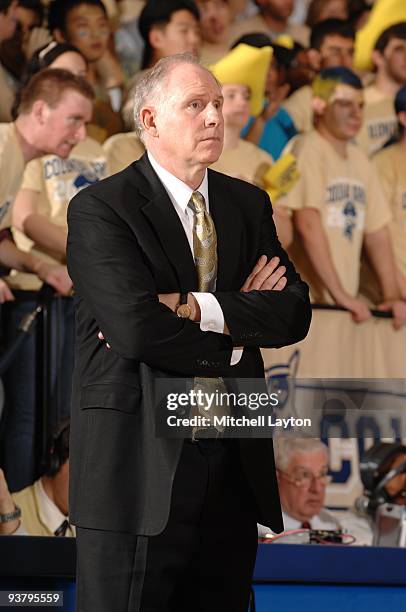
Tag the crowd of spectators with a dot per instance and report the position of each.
(314, 111)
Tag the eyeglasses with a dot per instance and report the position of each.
(305, 479)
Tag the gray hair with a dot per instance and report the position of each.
(149, 89)
(286, 447)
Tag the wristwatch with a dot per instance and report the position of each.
(11, 516)
(183, 310)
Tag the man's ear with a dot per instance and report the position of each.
(377, 58)
(314, 59)
(40, 111)
(155, 38)
(147, 116)
(58, 36)
(319, 106)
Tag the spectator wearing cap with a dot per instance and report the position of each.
(167, 27)
(389, 58)
(242, 73)
(273, 20)
(41, 509)
(273, 127)
(331, 44)
(391, 164)
(8, 24)
(338, 205)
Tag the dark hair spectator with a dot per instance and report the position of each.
(398, 30)
(60, 9)
(330, 27)
(158, 14)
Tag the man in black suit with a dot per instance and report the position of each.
(181, 270)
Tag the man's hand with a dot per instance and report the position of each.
(266, 276)
(6, 506)
(5, 293)
(358, 309)
(56, 276)
(398, 310)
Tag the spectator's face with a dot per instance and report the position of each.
(279, 9)
(302, 486)
(189, 123)
(27, 20)
(236, 106)
(397, 486)
(214, 19)
(180, 35)
(63, 126)
(333, 9)
(395, 60)
(342, 116)
(8, 22)
(71, 61)
(88, 29)
(336, 51)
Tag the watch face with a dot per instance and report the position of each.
(184, 311)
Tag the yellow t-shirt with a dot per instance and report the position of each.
(11, 170)
(247, 162)
(380, 122)
(391, 166)
(299, 107)
(121, 150)
(347, 193)
(57, 181)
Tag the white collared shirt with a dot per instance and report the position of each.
(211, 314)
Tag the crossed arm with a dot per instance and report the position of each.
(110, 274)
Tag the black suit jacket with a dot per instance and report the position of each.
(126, 244)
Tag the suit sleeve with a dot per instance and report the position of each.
(269, 319)
(109, 273)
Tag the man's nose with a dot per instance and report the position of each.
(213, 115)
(317, 485)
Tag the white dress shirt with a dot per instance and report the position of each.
(211, 314)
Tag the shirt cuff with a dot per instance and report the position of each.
(212, 319)
(211, 315)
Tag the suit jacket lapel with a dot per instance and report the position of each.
(229, 229)
(168, 227)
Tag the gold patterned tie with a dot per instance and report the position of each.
(204, 243)
(205, 256)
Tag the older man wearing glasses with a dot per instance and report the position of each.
(302, 468)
